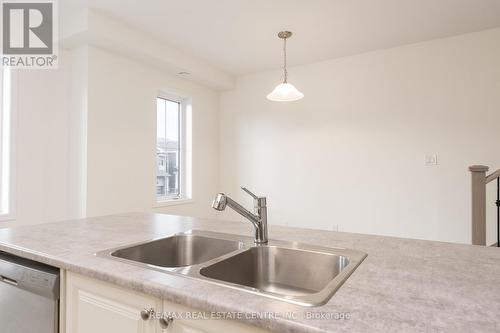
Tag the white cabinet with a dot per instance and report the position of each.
(93, 306)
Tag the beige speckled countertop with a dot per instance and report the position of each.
(403, 285)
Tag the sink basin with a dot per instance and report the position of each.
(178, 250)
(297, 273)
(279, 270)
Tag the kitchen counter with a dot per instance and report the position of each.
(403, 285)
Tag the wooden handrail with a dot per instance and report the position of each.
(493, 176)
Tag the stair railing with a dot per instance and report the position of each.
(479, 182)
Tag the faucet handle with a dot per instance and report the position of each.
(249, 193)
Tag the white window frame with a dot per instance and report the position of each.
(7, 154)
(185, 162)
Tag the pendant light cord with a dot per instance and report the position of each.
(285, 71)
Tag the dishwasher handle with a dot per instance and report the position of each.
(7, 280)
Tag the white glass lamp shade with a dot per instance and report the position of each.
(285, 92)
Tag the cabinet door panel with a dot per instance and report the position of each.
(98, 314)
(95, 307)
(204, 325)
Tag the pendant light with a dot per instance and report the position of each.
(285, 92)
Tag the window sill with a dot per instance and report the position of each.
(173, 202)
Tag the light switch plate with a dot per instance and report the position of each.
(431, 159)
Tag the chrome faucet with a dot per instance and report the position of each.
(258, 219)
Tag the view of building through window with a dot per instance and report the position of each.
(167, 149)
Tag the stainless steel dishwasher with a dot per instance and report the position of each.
(29, 296)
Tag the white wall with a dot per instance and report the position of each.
(77, 124)
(351, 153)
(85, 139)
(121, 134)
(41, 108)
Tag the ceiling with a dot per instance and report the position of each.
(239, 36)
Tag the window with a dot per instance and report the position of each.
(171, 160)
(5, 151)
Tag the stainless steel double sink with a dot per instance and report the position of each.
(302, 274)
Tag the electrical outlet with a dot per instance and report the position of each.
(431, 159)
